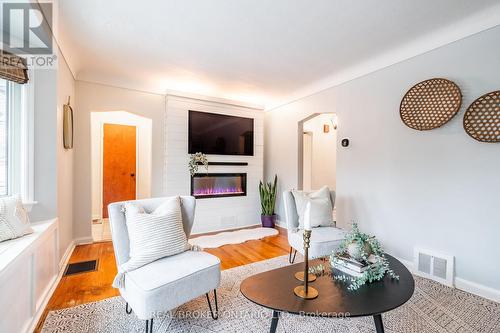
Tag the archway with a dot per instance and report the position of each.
(123, 133)
(317, 155)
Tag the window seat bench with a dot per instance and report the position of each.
(29, 267)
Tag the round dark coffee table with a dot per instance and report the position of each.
(274, 290)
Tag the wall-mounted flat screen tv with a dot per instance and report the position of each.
(220, 134)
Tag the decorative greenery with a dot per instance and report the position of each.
(380, 265)
(268, 196)
(195, 160)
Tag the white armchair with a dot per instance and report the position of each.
(324, 240)
(168, 282)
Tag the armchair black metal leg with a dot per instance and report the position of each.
(149, 326)
(127, 309)
(290, 259)
(215, 315)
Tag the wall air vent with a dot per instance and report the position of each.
(424, 263)
(435, 266)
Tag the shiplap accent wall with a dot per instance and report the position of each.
(215, 213)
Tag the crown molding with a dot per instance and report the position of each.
(474, 24)
(172, 94)
(471, 25)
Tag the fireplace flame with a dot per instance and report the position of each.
(218, 191)
(218, 185)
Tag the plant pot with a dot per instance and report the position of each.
(268, 220)
(354, 251)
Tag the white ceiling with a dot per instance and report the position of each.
(259, 51)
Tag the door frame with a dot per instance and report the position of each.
(300, 146)
(138, 171)
(300, 150)
(311, 138)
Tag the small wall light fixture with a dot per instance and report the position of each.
(334, 122)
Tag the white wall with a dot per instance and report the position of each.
(324, 151)
(214, 213)
(307, 148)
(65, 190)
(45, 145)
(436, 189)
(143, 153)
(93, 97)
(53, 165)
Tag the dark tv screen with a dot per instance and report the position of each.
(219, 134)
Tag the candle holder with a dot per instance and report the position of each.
(305, 291)
(300, 276)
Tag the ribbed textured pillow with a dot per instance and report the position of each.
(152, 236)
(14, 221)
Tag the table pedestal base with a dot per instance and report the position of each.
(274, 321)
(379, 326)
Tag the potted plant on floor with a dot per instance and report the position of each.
(267, 202)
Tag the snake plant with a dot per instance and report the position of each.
(268, 196)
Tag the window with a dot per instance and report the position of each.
(11, 130)
(4, 142)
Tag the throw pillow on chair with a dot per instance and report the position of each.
(152, 235)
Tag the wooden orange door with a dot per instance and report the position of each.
(119, 164)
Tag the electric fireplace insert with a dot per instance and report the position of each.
(217, 185)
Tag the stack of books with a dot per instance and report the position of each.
(346, 264)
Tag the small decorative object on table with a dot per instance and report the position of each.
(305, 291)
(307, 240)
(195, 160)
(360, 259)
(268, 201)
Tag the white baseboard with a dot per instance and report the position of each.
(408, 263)
(224, 229)
(478, 289)
(65, 258)
(280, 223)
(462, 284)
(83, 240)
(52, 287)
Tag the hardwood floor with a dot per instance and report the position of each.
(95, 286)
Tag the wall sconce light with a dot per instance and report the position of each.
(326, 127)
(334, 123)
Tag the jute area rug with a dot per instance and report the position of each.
(433, 308)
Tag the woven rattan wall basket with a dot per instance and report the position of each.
(430, 104)
(482, 118)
